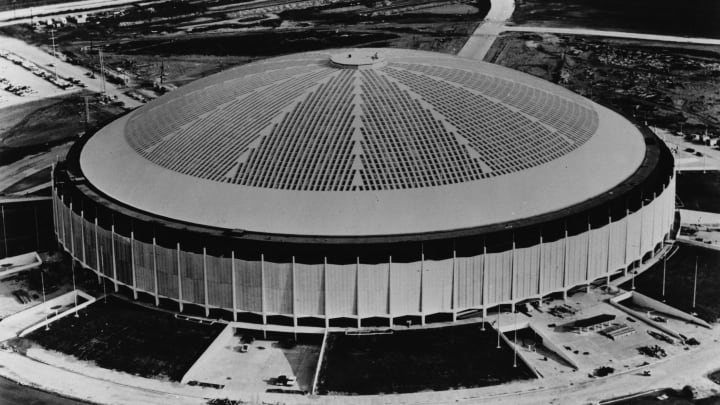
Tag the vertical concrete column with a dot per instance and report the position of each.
(654, 215)
(155, 274)
(640, 237)
(262, 288)
(484, 288)
(114, 260)
(607, 259)
(627, 242)
(453, 290)
(97, 250)
(132, 263)
(72, 238)
(587, 258)
(565, 266)
(540, 267)
(325, 289)
(61, 221)
(205, 283)
(5, 238)
(422, 296)
(179, 275)
(82, 233)
(513, 276)
(390, 290)
(233, 289)
(294, 293)
(357, 291)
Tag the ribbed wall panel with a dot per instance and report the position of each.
(90, 247)
(191, 269)
(167, 269)
(219, 281)
(405, 286)
(498, 267)
(553, 262)
(309, 285)
(527, 267)
(123, 262)
(248, 285)
(617, 245)
(144, 270)
(437, 285)
(469, 281)
(341, 289)
(372, 289)
(577, 259)
(76, 224)
(373, 284)
(66, 219)
(647, 227)
(278, 288)
(598, 252)
(105, 245)
(633, 240)
(659, 220)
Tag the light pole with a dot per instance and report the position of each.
(72, 267)
(42, 284)
(515, 343)
(695, 282)
(498, 328)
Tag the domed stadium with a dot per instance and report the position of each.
(363, 187)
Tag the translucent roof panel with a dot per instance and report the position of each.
(360, 120)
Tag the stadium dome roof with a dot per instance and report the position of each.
(362, 142)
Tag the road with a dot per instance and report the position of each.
(39, 56)
(615, 34)
(484, 36)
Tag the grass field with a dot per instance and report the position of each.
(680, 270)
(699, 191)
(125, 337)
(417, 360)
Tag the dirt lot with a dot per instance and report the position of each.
(671, 87)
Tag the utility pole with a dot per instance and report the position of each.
(52, 34)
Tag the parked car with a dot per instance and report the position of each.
(286, 380)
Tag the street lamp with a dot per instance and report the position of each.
(498, 328)
(695, 283)
(515, 342)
